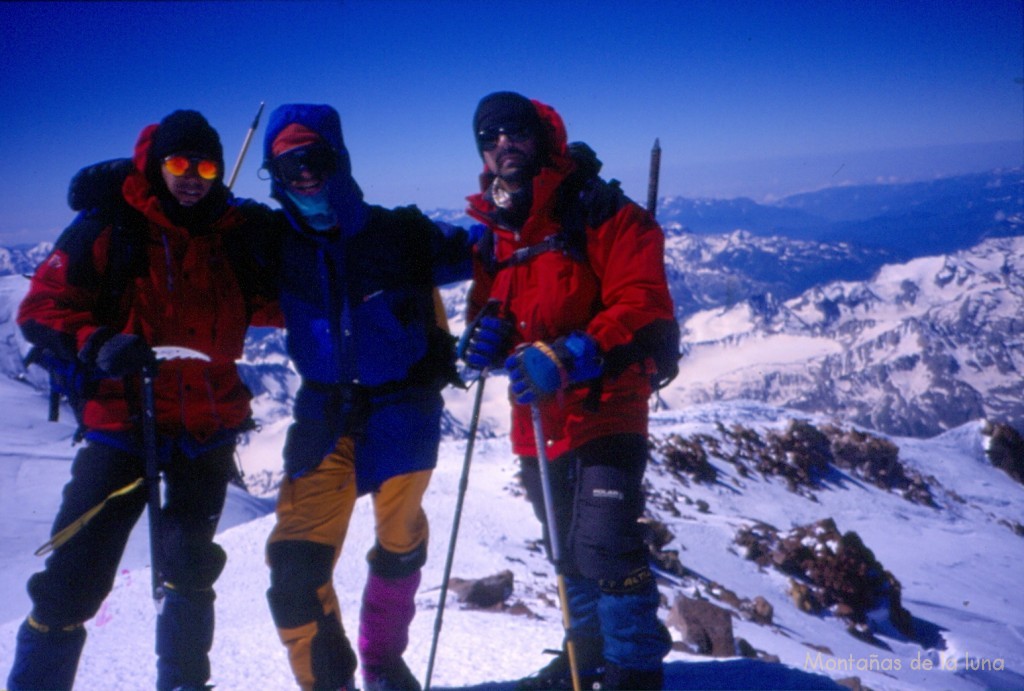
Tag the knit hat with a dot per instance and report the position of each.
(183, 131)
(505, 109)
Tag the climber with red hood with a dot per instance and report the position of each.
(586, 325)
(357, 296)
(175, 262)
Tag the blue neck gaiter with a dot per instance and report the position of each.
(315, 209)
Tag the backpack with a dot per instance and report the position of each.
(94, 192)
(70, 378)
(587, 201)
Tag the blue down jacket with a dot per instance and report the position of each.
(358, 308)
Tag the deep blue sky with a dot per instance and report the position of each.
(758, 99)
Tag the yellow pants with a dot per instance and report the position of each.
(313, 515)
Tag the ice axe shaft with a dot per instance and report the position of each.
(245, 146)
(152, 476)
(554, 541)
(652, 179)
(152, 479)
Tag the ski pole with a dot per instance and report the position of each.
(463, 485)
(553, 541)
(152, 478)
(245, 146)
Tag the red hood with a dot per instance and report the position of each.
(136, 188)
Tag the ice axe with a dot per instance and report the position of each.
(151, 477)
(554, 540)
(245, 147)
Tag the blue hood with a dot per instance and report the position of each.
(344, 193)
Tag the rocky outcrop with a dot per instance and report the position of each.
(1005, 449)
(831, 572)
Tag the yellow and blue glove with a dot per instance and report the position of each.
(540, 369)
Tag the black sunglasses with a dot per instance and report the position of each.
(319, 159)
(488, 138)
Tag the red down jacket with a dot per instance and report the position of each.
(188, 295)
(618, 290)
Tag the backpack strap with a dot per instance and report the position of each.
(126, 260)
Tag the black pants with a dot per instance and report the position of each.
(80, 574)
(597, 491)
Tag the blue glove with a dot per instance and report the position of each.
(539, 370)
(486, 341)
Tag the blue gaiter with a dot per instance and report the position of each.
(315, 209)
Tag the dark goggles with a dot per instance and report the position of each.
(488, 138)
(179, 164)
(319, 159)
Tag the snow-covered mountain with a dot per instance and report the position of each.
(721, 270)
(806, 521)
(911, 219)
(920, 348)
(23, 260)
(917, 349)
(911, 348)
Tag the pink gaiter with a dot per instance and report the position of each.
(388, 608)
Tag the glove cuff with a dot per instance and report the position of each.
(579, 355)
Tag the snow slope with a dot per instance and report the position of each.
(958, 564)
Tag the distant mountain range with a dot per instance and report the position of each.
(895, 307)
(911, 219)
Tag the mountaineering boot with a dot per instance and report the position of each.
(46, 658)
(394, 677)
(583, 595)
(387, 611)
(616, 677)
(557, 674)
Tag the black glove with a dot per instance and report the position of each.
(116, 354)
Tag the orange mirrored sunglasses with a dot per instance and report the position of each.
(177, 165)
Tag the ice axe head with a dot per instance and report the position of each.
(165, 353)
(178, 353)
